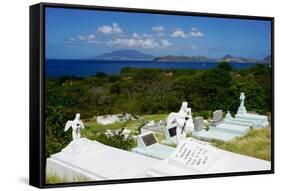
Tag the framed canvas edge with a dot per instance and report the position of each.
(40, 55)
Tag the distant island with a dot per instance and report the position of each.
(131, 54)
(227, 58)
(125, 55)
(184, 59)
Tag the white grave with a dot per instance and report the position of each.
(96, 161)
(230, 128)
(107, 119)
(155, 127)
(196, 157)
(222, 129)
(256, 120)
(110, 119)
(149, 146)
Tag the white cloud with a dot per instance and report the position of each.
(178, 33)
(145, 43)
(158, 29)
(88, 37)
(114, 29)
(136, 35)
(105, 29)
(196, 34)
(165, 43)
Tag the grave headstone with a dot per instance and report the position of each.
(148, 146)
(217, 116)
(198, 123)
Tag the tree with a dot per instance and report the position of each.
(56, 138)
(225, 66)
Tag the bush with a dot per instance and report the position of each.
(204, 114)
(117, 140)
(56, 138)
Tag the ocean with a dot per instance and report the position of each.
(83, 68)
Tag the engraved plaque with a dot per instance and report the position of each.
(172, 131)
(149, 139)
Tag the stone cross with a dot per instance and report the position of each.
(242, 98)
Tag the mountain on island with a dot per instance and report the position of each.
(267, 60)
(226, 58)
(229, 58)
(129, 54)
(184, 59)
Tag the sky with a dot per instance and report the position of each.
(83, 34)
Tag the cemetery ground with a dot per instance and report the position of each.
(256, 143)
(150, 90)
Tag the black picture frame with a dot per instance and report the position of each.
(37, 103)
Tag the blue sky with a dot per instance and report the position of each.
(80, 33)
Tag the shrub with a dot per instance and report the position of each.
(117, 140)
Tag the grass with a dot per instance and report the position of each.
(256, 143)
(52, 178)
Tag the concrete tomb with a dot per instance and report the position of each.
(95, 161)
(230, 127)
(256, 120)
(197, 157)
(155, 127)
(222, 130)
(149, 146)
(110, 119)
